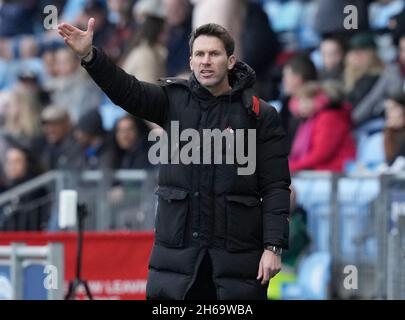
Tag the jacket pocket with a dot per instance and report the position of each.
(244, 223)
(171, 216)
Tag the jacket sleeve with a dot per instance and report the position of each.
(274, 177)
(141, 99)
(372, 105)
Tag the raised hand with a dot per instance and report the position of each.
(78, 40)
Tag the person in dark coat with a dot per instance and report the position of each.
(59, 149)
(131, 144)
(298, 70)
(218, 234)
(30, 211)
(97, 152)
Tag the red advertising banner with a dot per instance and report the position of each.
(114, 263)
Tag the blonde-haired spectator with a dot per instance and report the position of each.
(363, 68)
(22, 116)
(146, 58)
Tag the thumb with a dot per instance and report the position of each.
(90, 25)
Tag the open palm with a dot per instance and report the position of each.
(80, 41)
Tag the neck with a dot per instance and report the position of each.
(220, 89)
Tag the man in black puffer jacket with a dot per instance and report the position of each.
(219, 232)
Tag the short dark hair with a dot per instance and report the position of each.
(302, 65)
(214, 30)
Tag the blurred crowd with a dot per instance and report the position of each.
(336, 76)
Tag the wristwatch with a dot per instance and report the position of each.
(276, 250)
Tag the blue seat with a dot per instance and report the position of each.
(314, 196)
(312, 279)
(34, 277)
(110, 113)
(6, 289)
(357, 239)
(370, 150)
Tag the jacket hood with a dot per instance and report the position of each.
(242, 76)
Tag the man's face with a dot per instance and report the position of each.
(209, 61)
(66, 63)
(82, 137)
(55, 131)
(332, 54)
(16, 164)
(126, 134)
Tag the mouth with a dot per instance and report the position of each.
(206, 73)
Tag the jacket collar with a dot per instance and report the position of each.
(241, 77)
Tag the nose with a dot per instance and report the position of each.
(206, 59)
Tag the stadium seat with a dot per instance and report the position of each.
(314, 196)
(312, 279)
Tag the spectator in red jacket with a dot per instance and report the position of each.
(323, 141)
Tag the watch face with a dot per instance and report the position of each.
(276, 250)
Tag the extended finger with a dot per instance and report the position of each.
(63, 34)
(69, 27)
(64, 31)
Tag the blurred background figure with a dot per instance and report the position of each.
(131, 152)
(323, 140)
(29, 81)
(333, 53)
(22, 117)
(59, 149)
(394, 132)
(298, 70)
(17, 17)
(131, 144)
(97, 151)
(28, 213)
(120, 15)
(178, 19)
(146, 56)
(391, 81)
(363, 67)
(71, 88)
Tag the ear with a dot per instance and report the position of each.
(191, 65)
(231, 62)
